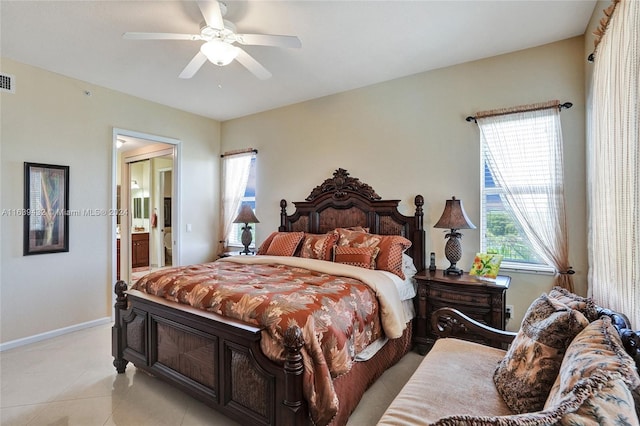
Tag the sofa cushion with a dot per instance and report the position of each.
(597, 356)
(592, 388)
(453, 378)
(581, 407)
(526, 374)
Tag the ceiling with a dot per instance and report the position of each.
(345, 44)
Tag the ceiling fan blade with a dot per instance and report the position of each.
(212, 14)
(252, 65)
(160, 36)
(269, 40)
(193, 66)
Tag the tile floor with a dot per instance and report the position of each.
(69, 380)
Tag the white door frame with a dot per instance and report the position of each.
(162, 173)
(126, 218)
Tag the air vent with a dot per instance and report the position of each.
(7, 83)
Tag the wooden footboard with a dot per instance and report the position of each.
(214, 359)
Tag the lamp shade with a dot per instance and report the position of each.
(454, 216)
(246, 215)
(219, 52)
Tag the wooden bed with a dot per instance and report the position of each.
(219, 361)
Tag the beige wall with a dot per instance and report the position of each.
(404, 137)
(408, 136)
(50, 120)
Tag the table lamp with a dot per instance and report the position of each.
(454, 218)
(246, 216)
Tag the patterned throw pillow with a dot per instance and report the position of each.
(597, 357)
(283, 244)
(319, 246)
(357, 228)
(265, 244)
(355, 238)
(391, 248)
(363, 257)
(529, 369)
(583, 304)
(390, 258)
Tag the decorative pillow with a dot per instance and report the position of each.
(265, 244)
(353, 238)
(595, 353)
(528, 371)
(357, 228)
(283, 244)
(527, 419)
(364, 257)
(408, 267)
(391, 248)
(583, 304)
(608, 403)
(319, 246)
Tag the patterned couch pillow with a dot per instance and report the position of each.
(597, 356)
(583, 304)
(283, 244)
(319, 246)
(364, 257)
(529, 369)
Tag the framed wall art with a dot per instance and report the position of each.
(46, 204)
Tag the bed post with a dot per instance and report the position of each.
(283, 216)
(295, 412)
(419, 254)
(117, 337)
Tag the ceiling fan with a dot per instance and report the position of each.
(219, 36)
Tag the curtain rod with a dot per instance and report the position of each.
(602, 28)
(238, 152)
(566, 105)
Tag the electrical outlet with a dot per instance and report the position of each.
(509, 311)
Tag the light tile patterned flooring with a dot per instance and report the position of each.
(69, 380)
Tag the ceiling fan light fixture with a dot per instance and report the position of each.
(219, 52)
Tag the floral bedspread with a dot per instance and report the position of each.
(339, 315)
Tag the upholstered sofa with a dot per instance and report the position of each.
(571, 363)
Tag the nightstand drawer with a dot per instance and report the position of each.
(454, 297)
(482, 300)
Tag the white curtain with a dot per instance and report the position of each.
(524, 152)
(235, 174)
(613, 166)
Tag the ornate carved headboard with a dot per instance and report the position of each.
(345, 201)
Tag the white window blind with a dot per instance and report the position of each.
(522, 189)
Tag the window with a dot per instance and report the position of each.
(501, 232)
(249, 197)
(522, 206)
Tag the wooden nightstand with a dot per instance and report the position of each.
(482, 300)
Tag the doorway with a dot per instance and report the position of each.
(146, 193)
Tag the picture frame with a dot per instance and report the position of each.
(486, 265)
(46, 207)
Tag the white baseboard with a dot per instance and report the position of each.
(53, 333)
